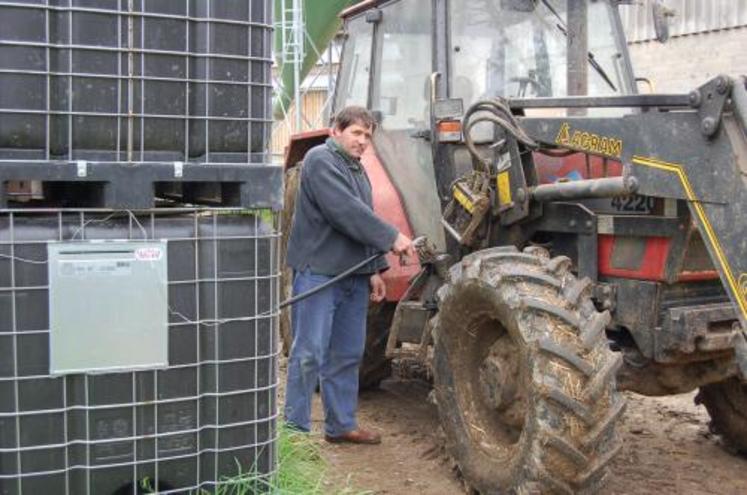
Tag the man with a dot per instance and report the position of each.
(334, 228)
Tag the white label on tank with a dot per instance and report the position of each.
(148, 254)
(94, 268)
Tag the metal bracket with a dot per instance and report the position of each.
(82, 169)
(575, 218)
(421, 134)
(710, 100)
(374, 16)
(402, 306)
(696, 329)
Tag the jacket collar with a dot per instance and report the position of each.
(350, 161)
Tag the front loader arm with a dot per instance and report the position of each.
(690, 147)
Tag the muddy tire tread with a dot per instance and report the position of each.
(593, 330)
(533, 276)
(586, 357)
(593, 472)
(574, 290)
(573, 406)
(596, 385)
(559, 265)
(566, 448)
(551, 484)
(604, 425)
(541, 305)
(568, 355)
(726, 403)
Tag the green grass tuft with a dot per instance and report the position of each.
(301, 467)
(301, 470)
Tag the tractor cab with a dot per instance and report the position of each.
(400, 55)
(582, 239)
(418, 64)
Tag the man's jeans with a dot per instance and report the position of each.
(329, 336)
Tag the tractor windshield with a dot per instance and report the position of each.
(519, 48)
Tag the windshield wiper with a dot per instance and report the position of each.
(590, 56)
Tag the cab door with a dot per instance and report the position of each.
(401, 95)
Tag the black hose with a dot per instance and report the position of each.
(331, 281)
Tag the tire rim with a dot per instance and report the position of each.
(492, 380)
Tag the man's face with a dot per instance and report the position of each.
(354, 139)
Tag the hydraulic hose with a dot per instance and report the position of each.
(496, 111)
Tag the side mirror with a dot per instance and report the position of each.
(661, 15)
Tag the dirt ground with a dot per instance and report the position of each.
(668, 448)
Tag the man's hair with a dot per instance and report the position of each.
(353, 115)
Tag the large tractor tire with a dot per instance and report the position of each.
(524, 379)
(374, 367)
(726, 403)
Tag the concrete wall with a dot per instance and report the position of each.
(685, 62)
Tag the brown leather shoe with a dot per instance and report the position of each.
(356, 436)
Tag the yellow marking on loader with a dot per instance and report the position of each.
(503, 184)
(464, 200)
(738, 289)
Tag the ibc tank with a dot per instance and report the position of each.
(135, 80)
(182, 428)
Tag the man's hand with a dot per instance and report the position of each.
(378, 288)
(404, 247)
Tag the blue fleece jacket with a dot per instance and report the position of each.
(334, 225)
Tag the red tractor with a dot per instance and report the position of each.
(582, 238)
